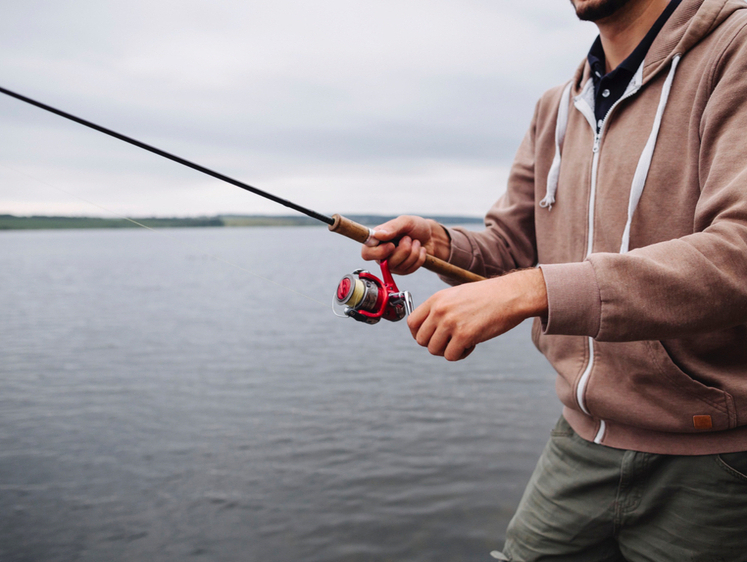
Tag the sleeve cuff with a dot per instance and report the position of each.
(460, 253)
(573, 298)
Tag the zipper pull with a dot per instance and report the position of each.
(597, 140)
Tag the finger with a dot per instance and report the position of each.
(393, 228)
(426, 331)
(412, 260)
(456, 350)
(416, 318)
(439, 342)
(380, 252)
(401, 255)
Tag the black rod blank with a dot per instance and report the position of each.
(308, 212)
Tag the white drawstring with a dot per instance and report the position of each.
(560, 127)
(644, 163)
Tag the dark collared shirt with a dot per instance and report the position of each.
(608, 88)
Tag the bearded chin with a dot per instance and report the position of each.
(599, 9)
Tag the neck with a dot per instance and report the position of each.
(622, 31)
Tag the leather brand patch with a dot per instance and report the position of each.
(702, 422)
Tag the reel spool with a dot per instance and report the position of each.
(366, 298)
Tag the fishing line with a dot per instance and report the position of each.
(162, 233)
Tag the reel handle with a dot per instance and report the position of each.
(364, 235)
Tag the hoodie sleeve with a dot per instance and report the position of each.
(688, 285)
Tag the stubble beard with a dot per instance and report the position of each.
(595, 10)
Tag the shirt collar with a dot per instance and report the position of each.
(597, 59)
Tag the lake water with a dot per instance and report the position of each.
(157, 403)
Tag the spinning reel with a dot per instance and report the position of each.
(366, 298)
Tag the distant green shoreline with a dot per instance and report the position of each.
(13, 222)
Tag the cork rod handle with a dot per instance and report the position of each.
(364, 235)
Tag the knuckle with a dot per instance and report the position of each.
(448, 321)
(435, 350)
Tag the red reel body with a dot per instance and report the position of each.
(366, 298)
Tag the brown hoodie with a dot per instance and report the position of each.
(641, 233)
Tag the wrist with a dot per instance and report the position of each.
(534, 294)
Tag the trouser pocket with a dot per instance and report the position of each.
(735, 464)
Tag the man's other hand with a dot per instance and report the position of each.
(453, 321)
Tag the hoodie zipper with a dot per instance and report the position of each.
(588, 112)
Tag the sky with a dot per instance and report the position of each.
(386, 107)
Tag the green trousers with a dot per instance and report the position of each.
(590, 503)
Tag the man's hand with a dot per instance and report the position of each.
(405, 241)
(453, 321)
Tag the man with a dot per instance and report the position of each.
(629, 192)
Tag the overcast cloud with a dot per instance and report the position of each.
(342, 106)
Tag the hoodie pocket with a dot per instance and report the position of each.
(638, 384)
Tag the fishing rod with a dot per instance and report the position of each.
(358, 300)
